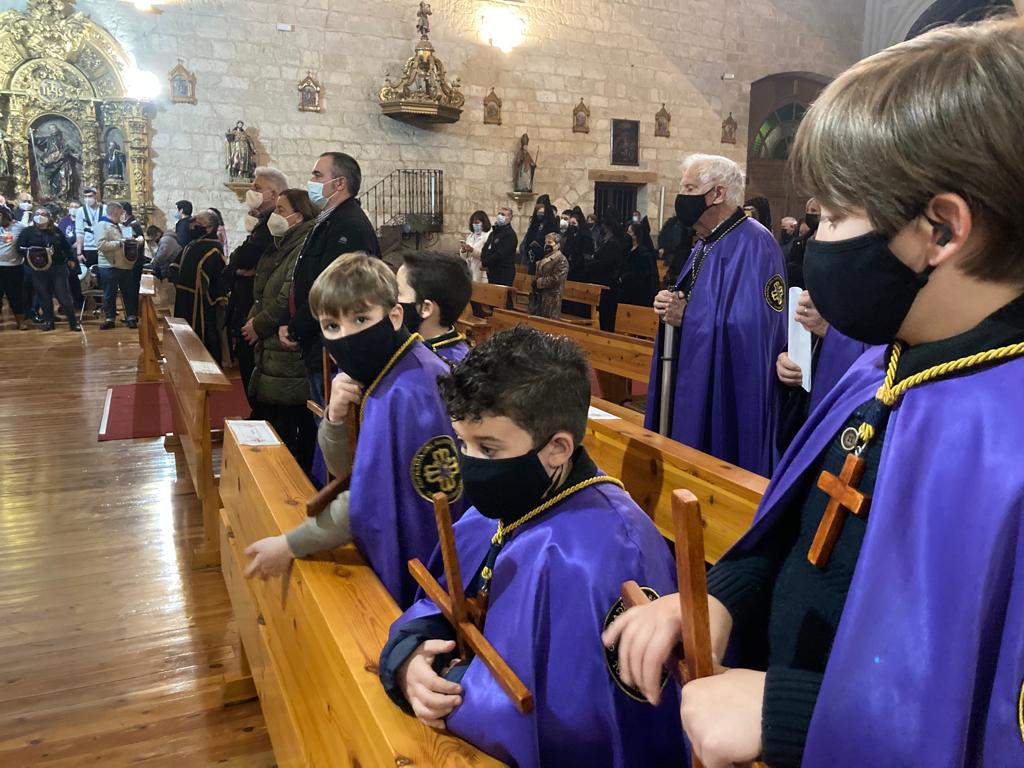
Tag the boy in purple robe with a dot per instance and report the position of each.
(405, 452)
(548, 542)
(893, 636)
(433, 289)
(728, 309)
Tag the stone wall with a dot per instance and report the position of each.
(625, 57)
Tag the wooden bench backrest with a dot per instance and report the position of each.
(490, 295)
(652, 467)
(636, 321)
(149, 341)
(620, 355)
(582, 293)
(314, 657)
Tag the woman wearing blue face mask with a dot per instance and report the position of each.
(471, 247)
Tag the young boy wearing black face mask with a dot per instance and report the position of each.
(405, 452)
(873, 613)
(547, 545)
(433, 289)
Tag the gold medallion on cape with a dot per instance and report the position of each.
(611, 655)
(775, 293)
(435, 469)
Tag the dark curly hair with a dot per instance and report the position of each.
(539, 381)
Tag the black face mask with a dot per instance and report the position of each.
(363, 355)
(689, 208)
(548, 248)
(812, 220)
(412, 320)
(860, 287)
(505, 489)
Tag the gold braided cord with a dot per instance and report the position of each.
(889, 394)
(504, 530)
(394, 359)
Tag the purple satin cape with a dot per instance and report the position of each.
(553, 585)
(391, 522)
(453, 353)
(837, 354)
(928, 663)
(726, 397)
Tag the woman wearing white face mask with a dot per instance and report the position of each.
(277, 388)
(479, 231)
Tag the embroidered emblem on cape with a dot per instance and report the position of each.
(611, 655)
(342, 240)
(775, 293)
(435, 469)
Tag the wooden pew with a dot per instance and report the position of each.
(522, 287)
(191, 375)
(651, 467)
(583, 293)
(609, 352)
(149, 342)
(632, 320)
(312, 639)
(488, 297)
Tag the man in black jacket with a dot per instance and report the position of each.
(341, 228)
(183, 221)
(237, 277)
(498, 256)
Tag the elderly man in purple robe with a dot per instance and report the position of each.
(727, 310)
(873, 615)
(546, 547)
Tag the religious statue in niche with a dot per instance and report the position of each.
(729, 130)
(114, 162)
(309, 94)
(57, 156)
(625, 142)
(492, 109)
(5, 156)
(241, 153)
(581, 118)
(661, 123)
(524, 167)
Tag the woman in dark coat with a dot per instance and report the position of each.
(198, 298)
(607, 266)
(638, 283)
(543, 222)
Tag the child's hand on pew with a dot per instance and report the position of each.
(648, 634)
(344, 392)
(431, 697)
(270, 557)
(721, 715)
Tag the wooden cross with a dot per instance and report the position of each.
(691, 571)
(337, 485)
(464, 614)
(843, 497)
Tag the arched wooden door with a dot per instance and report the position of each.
(777, 104)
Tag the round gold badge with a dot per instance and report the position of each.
(435, 469)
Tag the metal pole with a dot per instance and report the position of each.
(668, 339)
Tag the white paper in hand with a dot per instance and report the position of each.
(799, 339)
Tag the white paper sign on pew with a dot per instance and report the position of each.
(252, 433)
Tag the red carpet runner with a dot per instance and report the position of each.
(143, 410)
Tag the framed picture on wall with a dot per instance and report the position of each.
(625, 142)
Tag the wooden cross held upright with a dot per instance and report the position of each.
(464, 614)
(337, 485)
(691, 572)
(843, 497)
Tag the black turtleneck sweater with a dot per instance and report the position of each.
(414, 633)
(780, 602)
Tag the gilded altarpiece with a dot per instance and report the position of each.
(66, 120)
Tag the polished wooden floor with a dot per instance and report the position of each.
(111, 650)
